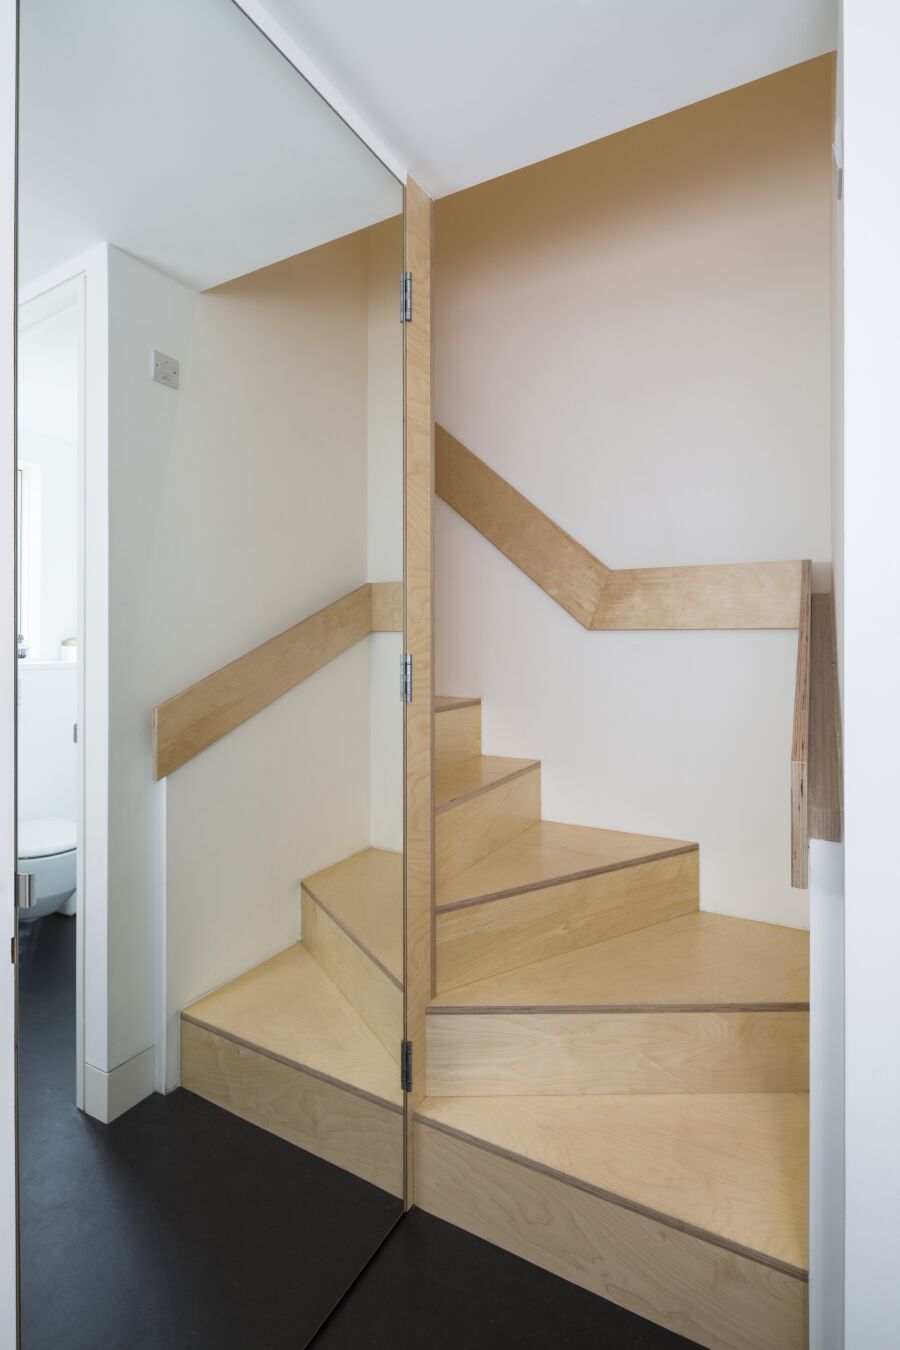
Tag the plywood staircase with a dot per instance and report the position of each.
(616, 1081)
(306, 1045)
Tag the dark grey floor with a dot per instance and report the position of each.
(179, 1226)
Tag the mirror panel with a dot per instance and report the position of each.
(210, 591)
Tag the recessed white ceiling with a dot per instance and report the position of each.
(175, 131)
(464, 90)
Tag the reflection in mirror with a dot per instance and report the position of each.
(210, 786)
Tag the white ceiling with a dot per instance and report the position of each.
(464, 90)
(174, 130)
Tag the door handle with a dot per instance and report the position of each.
(25, 896)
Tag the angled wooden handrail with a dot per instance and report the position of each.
(728, 595)
(196, 718)
(816, 769)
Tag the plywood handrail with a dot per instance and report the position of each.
(201, 715)
(729, 595)
(816, 771)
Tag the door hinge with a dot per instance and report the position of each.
(406, 1066)
(406, 297)
(12, 950)
(406, 678)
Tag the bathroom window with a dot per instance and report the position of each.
(28, 558)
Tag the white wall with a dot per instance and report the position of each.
(57, 464)
(871, 664)
(637, 336)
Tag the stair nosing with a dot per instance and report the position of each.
(613, 1197)
(525, 887)
(457, 704)
(512, 1009)
(299, 1065)
(348, 932)
(505, 778)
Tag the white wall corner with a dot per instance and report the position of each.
(109, 1095)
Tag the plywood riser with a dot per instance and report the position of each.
(376, 997)
(719, 1298)
(343, 1127)
(469, 830)
(529, 1054)
(457, 735)
(476, 941)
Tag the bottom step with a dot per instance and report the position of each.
(714, 1259)
(282, 1048)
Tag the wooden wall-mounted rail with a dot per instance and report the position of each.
(730, 595)
(193, 720)
(816, 770)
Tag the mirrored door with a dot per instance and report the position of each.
(210, 566)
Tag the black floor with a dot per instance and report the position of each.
(178, 1225)
(181, 1226)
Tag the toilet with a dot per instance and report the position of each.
(47, 848)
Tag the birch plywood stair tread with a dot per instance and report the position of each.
(288, 1009)
(450, 702)
(730, 1169)
(550, 852)
(694, 962)
(363, 894)
(455, 783)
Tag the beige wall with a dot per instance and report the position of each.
(637, 335)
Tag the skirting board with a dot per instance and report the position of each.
(109, 1095)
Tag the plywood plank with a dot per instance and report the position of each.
(800, 744)
(454, 783)
(480, 940)
(825, 752)
(387, 606)
(730, 1168)
(478, 823)
(728, 595)
(457, 733)
(191, 721)
(368, 987)
(695, 962)
(418, 234)
(583, 1053)
(711, 1296)
(364, 896)
(350, 1131)
(551, 852)
(289, 1009)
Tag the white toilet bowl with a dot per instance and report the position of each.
(47, 847)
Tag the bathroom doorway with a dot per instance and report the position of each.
(50, 662)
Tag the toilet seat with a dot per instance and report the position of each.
(47, 836)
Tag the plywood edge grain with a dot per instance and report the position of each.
(349, 933)
(613, 1198)
(546, 883)
(825, 740)
(800, 741)
(299, 1065)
